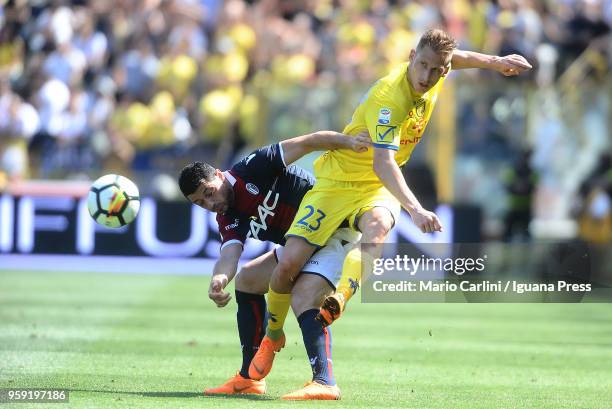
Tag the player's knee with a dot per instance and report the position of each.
(287, 269)
(250, 283)
(306, 296)
(308, 293)
(376, 228)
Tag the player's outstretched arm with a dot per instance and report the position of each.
(391, 177)
(295, 148)
(508, 65)
(223, 272)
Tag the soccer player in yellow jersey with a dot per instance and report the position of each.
(368, 189)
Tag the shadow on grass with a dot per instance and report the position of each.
(176, 394)
(248, 397)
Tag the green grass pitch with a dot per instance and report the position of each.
(155, 341)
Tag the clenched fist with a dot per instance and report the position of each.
(216, 293)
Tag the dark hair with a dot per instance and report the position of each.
(438, 40)
(192, 175)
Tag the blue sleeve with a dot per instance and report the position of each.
(267, 161)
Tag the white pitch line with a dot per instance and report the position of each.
(107, 264)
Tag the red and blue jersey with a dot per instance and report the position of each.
(267, 194)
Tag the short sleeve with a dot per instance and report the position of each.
(383, 119)
(232, 229)
(268, 161)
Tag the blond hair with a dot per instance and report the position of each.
(438, 40)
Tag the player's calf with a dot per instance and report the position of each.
(374, 225)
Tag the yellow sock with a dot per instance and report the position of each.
(278, 306)
(352, 272)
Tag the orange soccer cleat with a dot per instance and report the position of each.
(238, 385)
(314, 391)
(332, 309)
(261, 365)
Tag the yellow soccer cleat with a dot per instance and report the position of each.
(314, 391)
(261, 365)
(238, 385)
(332, 309)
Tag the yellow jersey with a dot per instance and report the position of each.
(395, 117)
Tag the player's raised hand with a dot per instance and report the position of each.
(512, 65)
(425, 220)
(216, 293)
(361, 142)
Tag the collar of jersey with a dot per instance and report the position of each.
(230, 178)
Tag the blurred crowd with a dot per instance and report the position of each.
(141, 86)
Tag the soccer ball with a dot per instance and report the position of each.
(113, 201)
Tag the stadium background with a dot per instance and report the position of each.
(142, 87)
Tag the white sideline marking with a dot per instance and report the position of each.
(107, 264)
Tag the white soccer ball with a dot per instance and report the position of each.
(113, 201)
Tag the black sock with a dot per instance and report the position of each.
(251, 326)
(318, 343)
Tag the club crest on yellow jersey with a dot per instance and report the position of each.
(415, 123)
